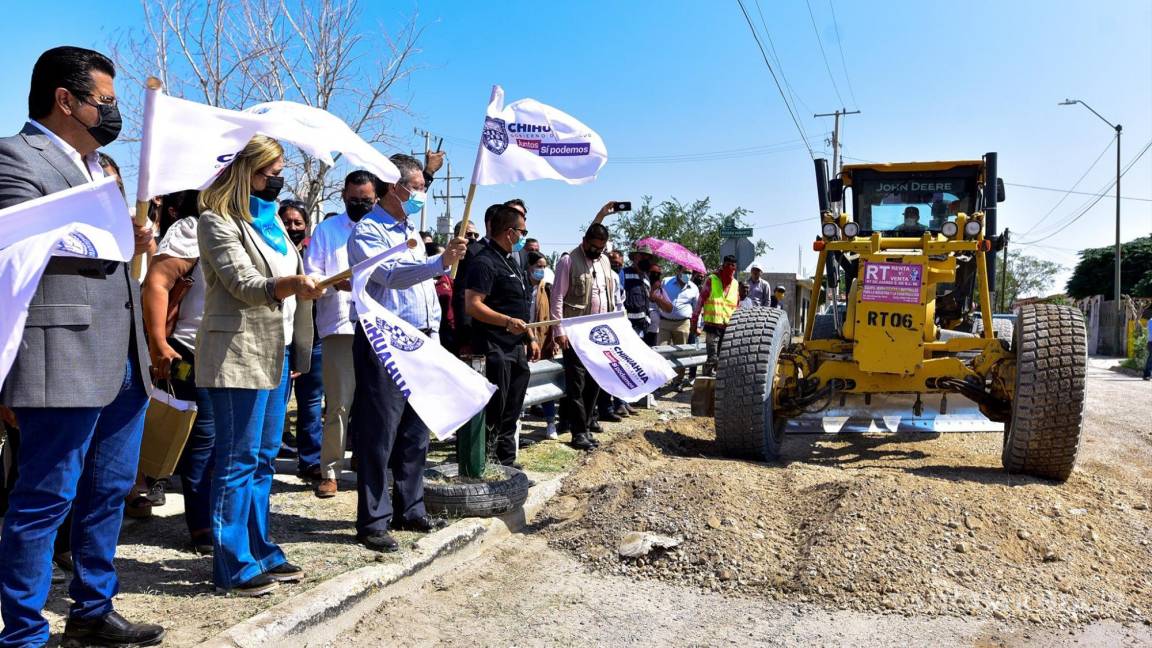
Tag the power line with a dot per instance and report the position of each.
(1079, 193)
(1098, 198)
(820, 42)
(779, 62)
(1069, 192)
(840, 45)
(780, 89)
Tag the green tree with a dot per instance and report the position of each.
(1026, 276)
(1096, 270)
(693, 225)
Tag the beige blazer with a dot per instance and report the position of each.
(241, 342)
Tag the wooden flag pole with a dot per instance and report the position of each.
(464, 221)
(543, 324)
(143, 203)
(347, 274)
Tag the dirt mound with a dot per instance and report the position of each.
(899, 524)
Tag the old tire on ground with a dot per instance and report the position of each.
(1043, 435)
(745, 372)
(825, 328)
(484, 499)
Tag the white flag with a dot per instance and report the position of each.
(444, 391)
(617, 358)
(528, 140)
(185, 144)
(88, 221)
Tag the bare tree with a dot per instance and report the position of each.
(236, 53)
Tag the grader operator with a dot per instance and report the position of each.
(904, 283)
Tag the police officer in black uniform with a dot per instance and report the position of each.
(638, 289)
(497, 299)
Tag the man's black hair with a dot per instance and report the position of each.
(491, 211)
(530, 241)
(729, 259)
(504, 219)
(516, 202)
(64, 67)
(596, 232)
(534, 258)
(359, 177)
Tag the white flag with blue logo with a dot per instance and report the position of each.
(528, 140)
(185, 144)
(90, 220)
(616, 357)
(444, 391)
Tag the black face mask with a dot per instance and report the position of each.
(108, 124)
(358, 209)
(616, 267)
(644, 265)
(654, 277)
(297, 236)
(271, 190)
(593, 253)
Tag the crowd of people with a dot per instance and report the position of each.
(230, 316)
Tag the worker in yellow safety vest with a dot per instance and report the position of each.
(721, 298)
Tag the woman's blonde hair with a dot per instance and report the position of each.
(228, 194)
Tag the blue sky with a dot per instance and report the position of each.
(935, 80)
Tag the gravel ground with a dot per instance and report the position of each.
(888, 540)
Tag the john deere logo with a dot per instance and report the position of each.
(398, 338)
(495, 135)
(603, 335)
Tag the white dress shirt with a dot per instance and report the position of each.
(328, 254)
(89, 164)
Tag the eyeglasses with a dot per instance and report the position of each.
(472, 236)
(101, 100)
(523, 232)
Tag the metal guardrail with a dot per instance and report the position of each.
(547, 381)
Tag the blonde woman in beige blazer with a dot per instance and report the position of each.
(255, 313)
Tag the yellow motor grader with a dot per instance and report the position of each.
(902, 286)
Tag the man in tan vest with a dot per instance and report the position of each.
(585, 285)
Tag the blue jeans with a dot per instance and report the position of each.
(195, 467)
(1148, 363)
(81, 459)
(549, 410)
(309, 389)
(249, 423)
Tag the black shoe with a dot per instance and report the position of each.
(256, 586)
(286, 573)
(202, 544)
(594, 426)
(309, 473)
(525, 442)
(426, 524)
(63, 560)
(156, 491)
(59, 576)
(610, 417)
(110, 630)
(378, 542)
(286, 452)
(583, 442)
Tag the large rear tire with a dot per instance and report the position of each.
(1043, 435)
(745, 372)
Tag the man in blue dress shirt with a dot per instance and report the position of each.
(387, 433)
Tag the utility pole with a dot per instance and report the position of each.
(447, 198)
(836, 161)
(424, 209)
(1120, 329)
(1004, 276)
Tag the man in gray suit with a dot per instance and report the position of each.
(77, 386)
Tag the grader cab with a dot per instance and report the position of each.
(902, 283)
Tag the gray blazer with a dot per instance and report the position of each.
(241, 339)
(85, 315)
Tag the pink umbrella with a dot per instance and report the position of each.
(673, 252)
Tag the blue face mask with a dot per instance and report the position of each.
(686, 277)
(538, 274)
(415, 202)
(519, 245)
(267, 223)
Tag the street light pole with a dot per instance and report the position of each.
(1116, 279)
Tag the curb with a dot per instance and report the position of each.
(338, 604)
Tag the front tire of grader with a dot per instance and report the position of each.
(745, 372)
(1043, 435)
